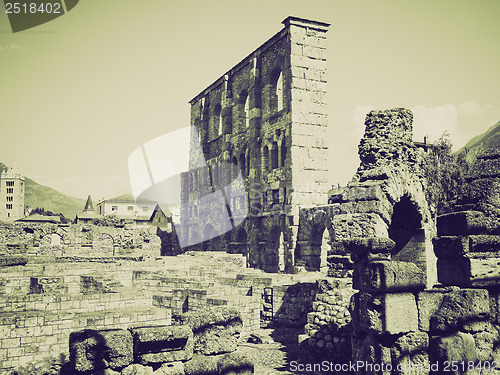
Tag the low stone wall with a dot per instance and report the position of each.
(205, 343)
(32, 335)
(78, 240)
(328, 329)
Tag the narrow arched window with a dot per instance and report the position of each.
(274, 156)
(244, 109)
(217, 120)
(279, 92)
(242, 164)
(265, 159)
(276, 92)
(283, 153)
(247, 112)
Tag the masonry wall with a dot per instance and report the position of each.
(267, 118)
(78, 240)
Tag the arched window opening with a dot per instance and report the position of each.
(274, 156)
(217, 120)
(283, 153)
(265, 160)
(242, 164)
(243, 108)
(279, 92)
(276, 92)
(406, 222)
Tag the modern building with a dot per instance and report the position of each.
(12, 189)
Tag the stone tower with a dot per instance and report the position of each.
(268, 117)
(11, 194)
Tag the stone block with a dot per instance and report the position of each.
(428, 303)
(171, 368)
(384, 312)
(466, 272)
(93, 350)
(369, 248)
(202, 365)
(409, 353)
(372, 353)
(461, 223)
(216, 329)
(137, 369)
(235, 363)
(364, 192)
(459, 307)
(451, 247)
(385, 276)
(157, 344)
(459, 348)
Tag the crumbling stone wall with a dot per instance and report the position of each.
(328, 330)
(78, 240)
(398, 327)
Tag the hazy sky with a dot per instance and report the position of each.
(80, 93)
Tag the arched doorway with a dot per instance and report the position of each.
(275, 261)
(405, 224)
(212, 240)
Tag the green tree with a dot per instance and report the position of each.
(445, 172)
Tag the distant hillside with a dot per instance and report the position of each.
(37, 195)
(41, 196)
(490, 138)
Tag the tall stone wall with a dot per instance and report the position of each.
(267, 117)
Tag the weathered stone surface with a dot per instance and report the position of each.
(371, 349)
(428, 303)
(459, 348)
(137, 369)
(374, 247)
(384, 313)
(202, 365)
(459, 307)
(409, 353)
(92, 350)
(484, 342)
(156, 344)
(461, 223)
(363, 192)
(172, 368)
(216, 330)
(235, 363)
(388, 276)
(451, 247)
(466, 272)
(8, 261)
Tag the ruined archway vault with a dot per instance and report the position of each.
(390, 173)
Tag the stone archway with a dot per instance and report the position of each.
(275, 257)
(212, 240)
(406, 222)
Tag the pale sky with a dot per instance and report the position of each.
(80, 93)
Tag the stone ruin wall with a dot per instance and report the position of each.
(402, 320)
(281, 151)
(78, 240)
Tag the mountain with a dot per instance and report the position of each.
(490, 138)
(37, 195)
(40, 196)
